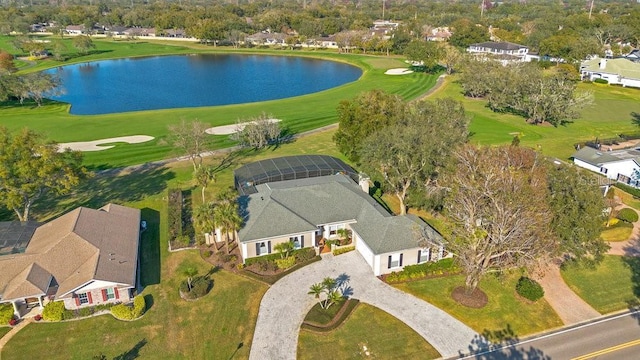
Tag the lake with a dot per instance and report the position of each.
(164, 82)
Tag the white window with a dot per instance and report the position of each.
(425, 255)
(298, 241)
(333, 229)
(262, 248)
(84, 299)
(111, 294)
(395, 261)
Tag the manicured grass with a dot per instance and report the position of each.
(618, 232)
(4, 330)
(626, 198)
(608, 116)
(504, 311)
(613, 285)
(383, 335)
(298, 114)
(322, 316)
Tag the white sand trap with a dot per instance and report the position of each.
(231, 129)
(398, 71)
(96, 145)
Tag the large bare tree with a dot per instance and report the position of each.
(190, 139)
(498, 209)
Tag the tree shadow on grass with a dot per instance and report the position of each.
(501, 344)
(634, 265)
(150, 248)
(133, 353)
(113, 187)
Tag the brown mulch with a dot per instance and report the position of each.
(476, 299)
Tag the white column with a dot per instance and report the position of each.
(16, 312)
(40, 302)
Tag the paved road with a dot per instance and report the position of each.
(608, 338)
(286, 303)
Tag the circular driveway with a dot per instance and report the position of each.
(287, 302)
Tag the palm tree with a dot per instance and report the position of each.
(190, 272)
(227, 214)
(333, 297)
(205, 219)
(316, 290)
(204, 175)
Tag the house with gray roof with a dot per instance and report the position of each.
(83, 258)
(309, 211)
(503, 51)
(619, 165)
(615, 71)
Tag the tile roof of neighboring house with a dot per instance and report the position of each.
(76, 248)
(623, 67)
(597, 157)
(499, 45)
(75, 27)
(295, 206)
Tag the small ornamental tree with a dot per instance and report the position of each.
(529, 289)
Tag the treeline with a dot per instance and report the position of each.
(34, 86)
(563, 29)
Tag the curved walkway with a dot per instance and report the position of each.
(5, 339)
(286, 303)
(631, 247)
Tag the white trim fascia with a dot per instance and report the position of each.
(278, 236)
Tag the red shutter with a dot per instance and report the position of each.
(77, 300)
(104, 294)
(117, 293)
(89, 297)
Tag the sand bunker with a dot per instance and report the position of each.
(398, 71)
(96, 145)
(231, 129)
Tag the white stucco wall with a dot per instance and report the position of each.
(586, 165)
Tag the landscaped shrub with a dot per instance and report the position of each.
(286, 262)
(600, 81)
(529, 289)
(6, 313)
(415, 272)
(304, 254)
(206, 253)
(175, 214)
(628, 215)
(200, 286)
(343, 250)
(53, 311)
(127, 312)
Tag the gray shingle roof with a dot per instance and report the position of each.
(598, 157)
(294, 206)
(499, 45)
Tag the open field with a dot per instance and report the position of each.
(506, 311)
(367, 327)
(608, 116)
(613, 285)
(298, 114)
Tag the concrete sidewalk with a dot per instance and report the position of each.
(287, 302)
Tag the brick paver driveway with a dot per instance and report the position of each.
(286, 303)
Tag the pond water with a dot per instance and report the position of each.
(164, 82)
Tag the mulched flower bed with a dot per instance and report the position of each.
(476, 299)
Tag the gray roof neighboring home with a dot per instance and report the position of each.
(622, 67)
(78, 247)
(503, 45)
(598, 157)
(295, 206)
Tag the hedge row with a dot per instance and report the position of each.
(343, 250)
(628, 189)
(415, 272)
(175, 214)
(300, 255)
(271, 279)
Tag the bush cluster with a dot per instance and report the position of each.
(54, 311)
(127, 312)
(6, 313)
(628, 215)
(529, 289)
(343, 250)
(414, 272)
(175, 214)
(206, 253)
(600, 81)
(301, 255)
(285, 263)
(200, 286)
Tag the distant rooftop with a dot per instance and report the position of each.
(15, 235)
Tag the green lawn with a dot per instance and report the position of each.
(613, 285)
(383, 335)
(618, 232)
(298, 114)
(4, 330)
(608, 116)
(504, 312)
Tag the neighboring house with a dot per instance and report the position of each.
(616, 71)
(506, 52)
(620, 165)
(175, 33)
(297, 203)
(116, 30)
(634, 55)
(439, 34)
(139, 31)
(267, 38)
(323, 41)
(75, 29)
(83, 258)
